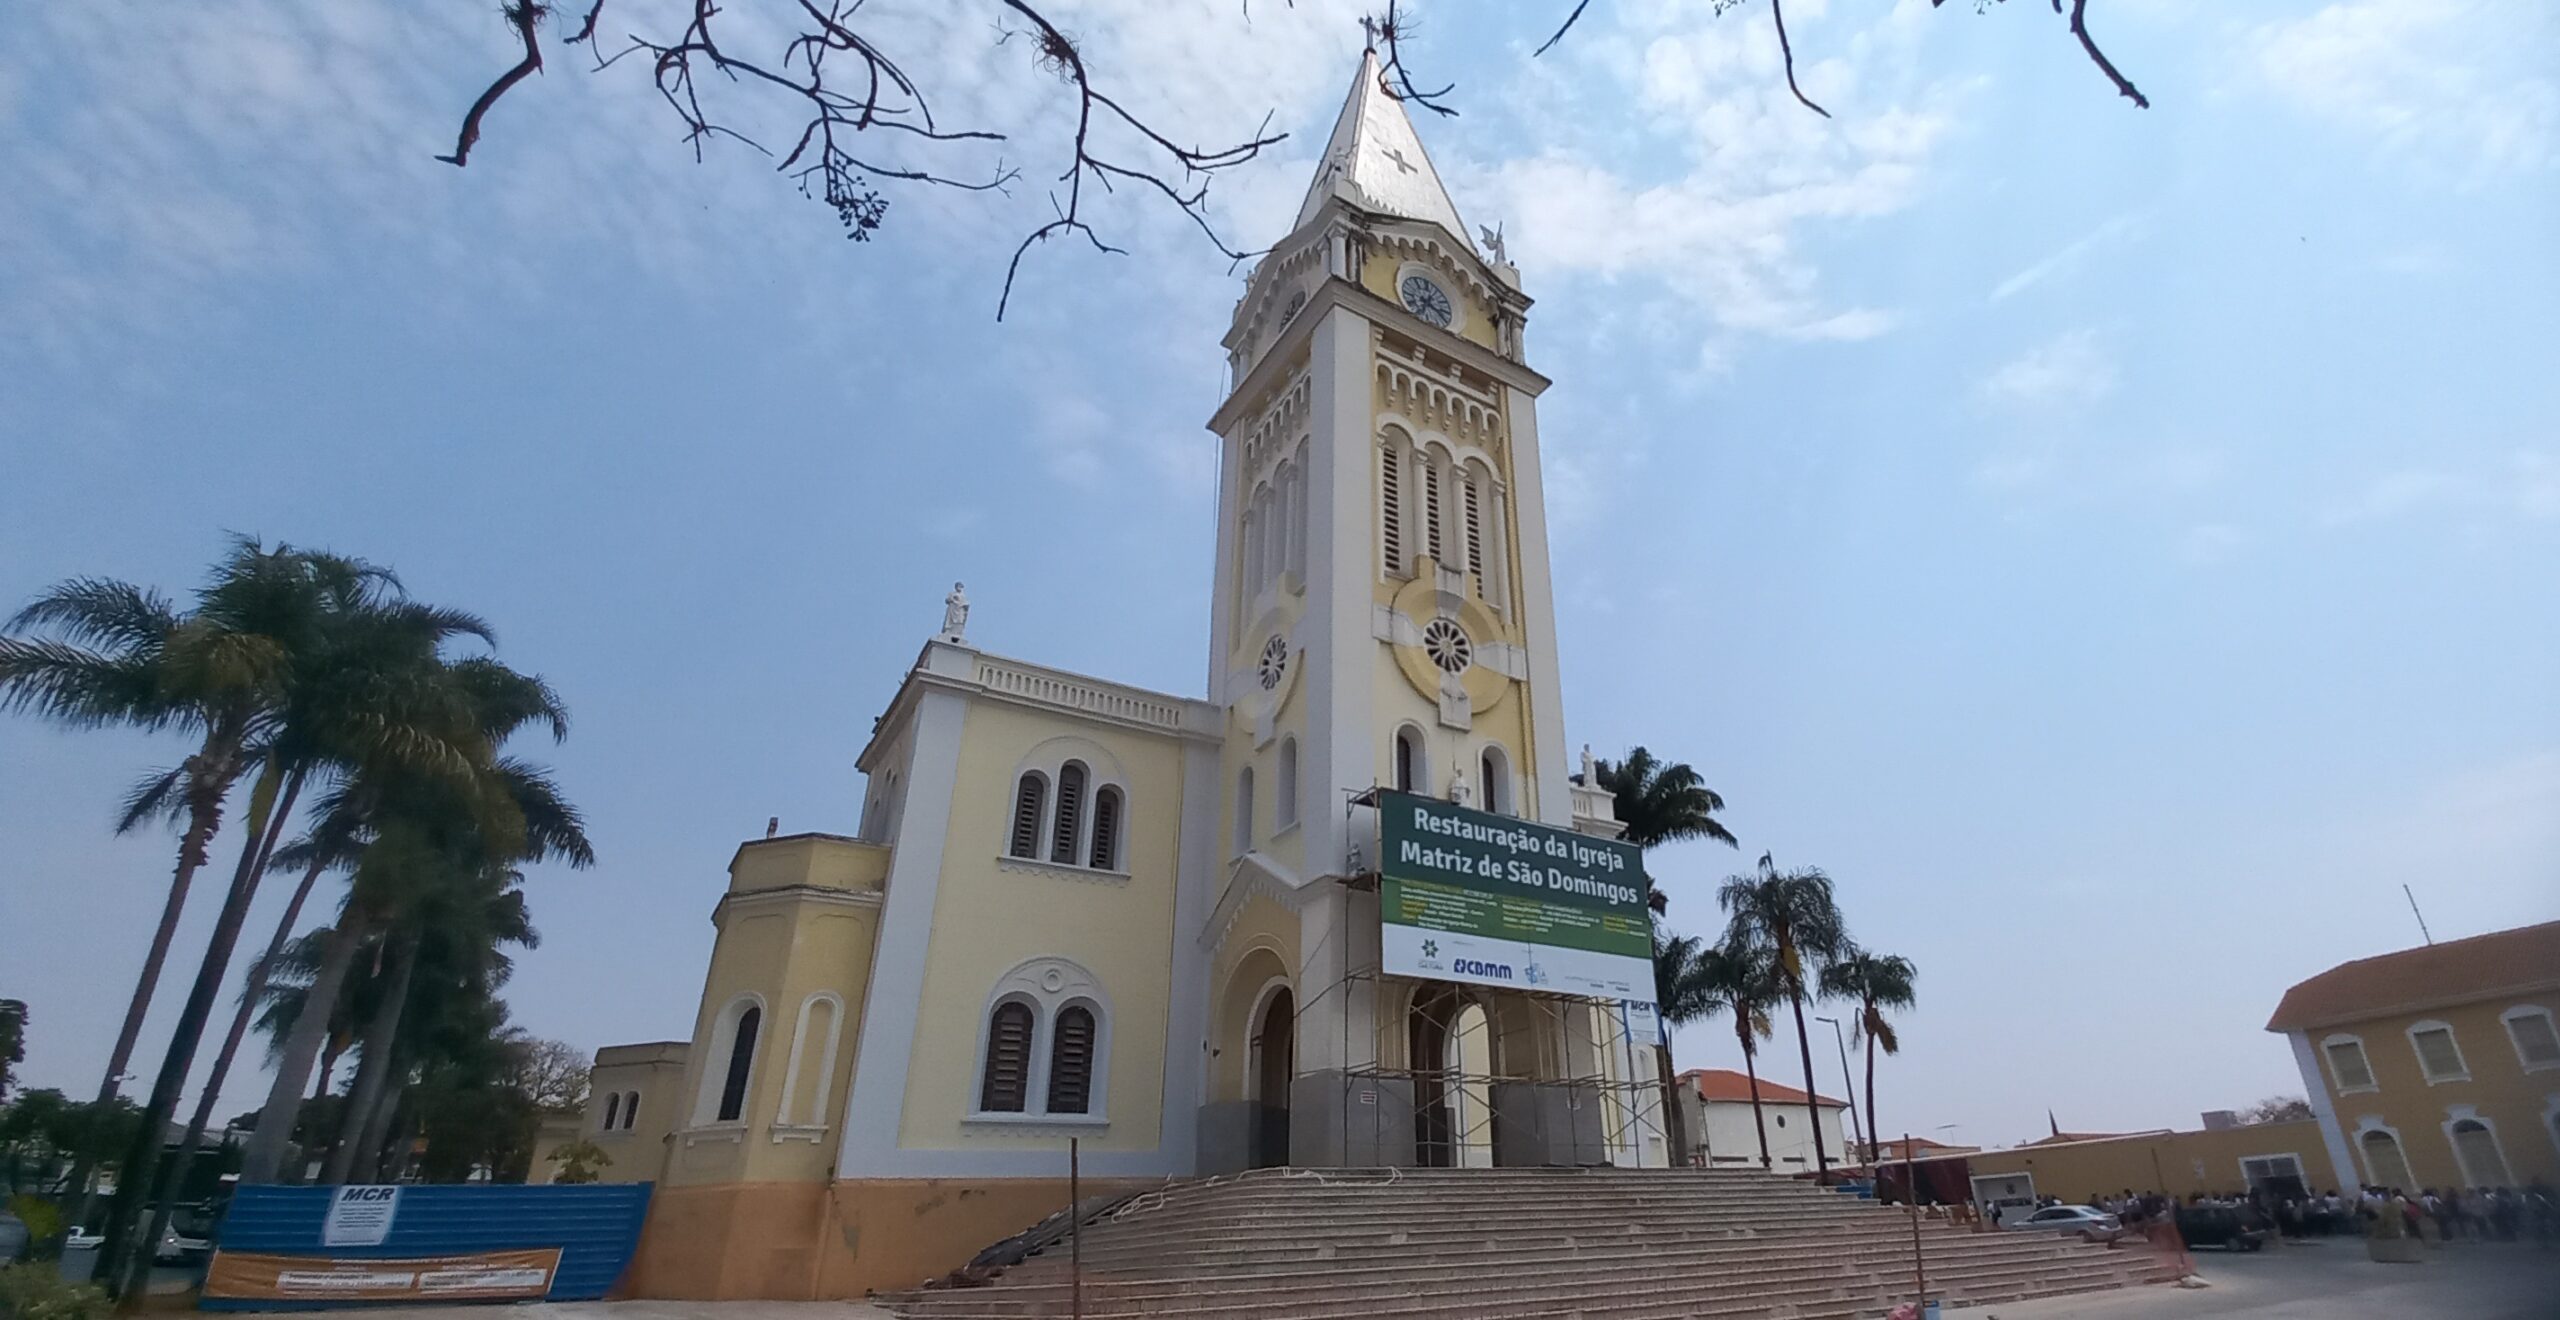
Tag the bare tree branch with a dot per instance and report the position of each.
(523, 15)
(2080, 29)
(1779, 14)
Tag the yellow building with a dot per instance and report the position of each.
(1147, 922)
(2436, 1066)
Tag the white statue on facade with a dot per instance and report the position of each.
(1590, 768)
(1460, 791)
(955, 614)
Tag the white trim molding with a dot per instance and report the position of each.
(2526, 1012)
(1048, 986)
(2457, 1115)
(2307, 1061)
(2328, 1045)
(715, 1063)
(2367, 1124)
(2461, 1064)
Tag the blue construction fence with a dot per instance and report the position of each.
(595, 1227)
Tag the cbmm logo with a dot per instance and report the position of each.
(1478, 967)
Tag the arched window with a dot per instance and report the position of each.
(1106, 829)
(1431, 513)
(1071, 1045)
(630, 1109)
(1298, 514)
(612, 1112)
(2384, 1164)
(1006, 1080)
(1408, 761)
(1244, 810)
(1496, 777)
(2475, 1148)
(1472, 498)
(1062, 836)
(1391, 508)
(742, 1058)
(2529, 1029)
(1028, 795)
(1286, 790)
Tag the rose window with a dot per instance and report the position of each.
(1447, 645)
(1274, 663)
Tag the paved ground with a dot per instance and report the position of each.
(2328, 1280)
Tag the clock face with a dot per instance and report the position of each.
(1428, 300)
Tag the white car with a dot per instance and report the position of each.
(177, 1248)
(2085, 1222)
(81, 1239)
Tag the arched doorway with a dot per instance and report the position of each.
(1449, 1050)
(2475, 1148)
(2384, 1164)
(1274, 1064)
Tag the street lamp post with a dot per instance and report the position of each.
(1849, 1085)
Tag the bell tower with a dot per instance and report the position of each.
(1383, 614)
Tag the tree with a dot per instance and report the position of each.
(1661, 802)
(13, 1042)
(553, 1074)
(579, 1161)
(1877, 982)
(2277, 1109)
(1700, 980)
(863, 123)
(1796, 917)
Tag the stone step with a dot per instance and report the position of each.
(1192, 1258)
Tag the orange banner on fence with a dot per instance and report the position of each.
(479, 1275)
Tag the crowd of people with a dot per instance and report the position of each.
(2478, 1214)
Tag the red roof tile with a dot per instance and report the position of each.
(2461, 971)
(1724, 1084)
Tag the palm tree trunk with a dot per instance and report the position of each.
(1812, 1104)
(304, 1042)
(327, 1072)
(1751, 1071)
(204, 817)
(212, 1092)
(1674, 1121)
(1875, 1134)
(374, 1073)
(137, 1179)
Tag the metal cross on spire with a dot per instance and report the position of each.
(1369, 26)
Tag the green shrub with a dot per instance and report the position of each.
(39, 1292)
(42, 1217)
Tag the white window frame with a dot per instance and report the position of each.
(2301, 1172)
(2468, 1114)
(1284, 787)
(816, 1118)
(1101, 770)
(2519, 1013)
(2461, 1061)
(715, 1071)
(630, 1110)
(2338, 1085)
(1048, 986)
(1422, 781)
(1245, 824)
(2364, 1157)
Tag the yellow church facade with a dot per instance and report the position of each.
(1149, 923)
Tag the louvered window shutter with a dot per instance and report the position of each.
(1071, 1063)
(1431, 513)
(1391, 510)
(1106, 830)
(1475, 535)
(1026, 817)
(2437, 1054)
(1008, 1077)
(1062, 840)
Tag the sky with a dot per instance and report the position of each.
(2120, 546)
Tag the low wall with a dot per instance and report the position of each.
(814, 1241)
(2177, 1163)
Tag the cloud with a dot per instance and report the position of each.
(2459, 85)
(2121, 228)
(2526, 485)
(1710, 188)
(2070, 369)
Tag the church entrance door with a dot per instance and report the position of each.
(1275, 1064)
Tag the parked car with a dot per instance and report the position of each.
(2219, 1226)
(178, 1248)
(81, 1239)
(2085, 1222)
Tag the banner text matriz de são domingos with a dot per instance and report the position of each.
(1492, 900)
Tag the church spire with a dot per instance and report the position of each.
(1375, 159)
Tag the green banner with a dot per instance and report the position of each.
(1466, 895)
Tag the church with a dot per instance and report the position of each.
(1157, 925)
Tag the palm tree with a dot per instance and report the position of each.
(1739, 979)
(377, 694)
(118, 654)
(1795, 916)
(1878, 981)
(1661, 803)
(511, 810)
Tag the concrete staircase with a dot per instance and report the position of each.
(1624, 1244)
